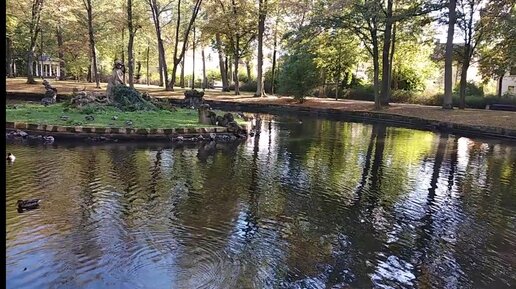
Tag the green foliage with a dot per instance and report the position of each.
(471, 89)
(298, 76)
(408, 79)
(129, 99)
(335, 54)
(213, 74)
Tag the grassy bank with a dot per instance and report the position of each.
(103, 117)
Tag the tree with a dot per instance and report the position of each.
(178, 55)
(448, 57)
(473, 34)
(262, 14)
(156, 11)
(34, 28)
(133, 24)
(336, 54)
(299, 75)
(91, 34)
(222, 62)
(497, 56)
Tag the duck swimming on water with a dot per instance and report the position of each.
(10, 157)
(28, 204)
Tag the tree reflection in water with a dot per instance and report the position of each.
(317, 204)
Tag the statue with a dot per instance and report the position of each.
(117, 78)
(50, 94)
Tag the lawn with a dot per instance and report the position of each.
(104, 116)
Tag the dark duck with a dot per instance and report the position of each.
(28, 204)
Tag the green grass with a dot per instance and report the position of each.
(39, 114)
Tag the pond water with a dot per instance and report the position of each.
(317, 204)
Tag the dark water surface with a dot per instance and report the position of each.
(317, 204)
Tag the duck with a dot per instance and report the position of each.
(28, 204)
(48, 139)
(10, 157)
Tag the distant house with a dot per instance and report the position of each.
(509, 83)
(438, 57)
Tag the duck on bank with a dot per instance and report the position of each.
(10, 157)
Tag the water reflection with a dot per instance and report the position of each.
(311, 204)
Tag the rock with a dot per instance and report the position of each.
(213, 136)
(193, 98)
(77, 123)
(129, 122)
(114, 117)
(229, 117)
(23, 134)
(64, 117)
(220, 121)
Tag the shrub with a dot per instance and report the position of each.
(471, 89)
(129, 99)
(298, 76)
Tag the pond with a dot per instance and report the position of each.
(307, 204)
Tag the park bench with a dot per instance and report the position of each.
(502, 106)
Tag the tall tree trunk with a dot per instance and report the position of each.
(248, 70)
(160, 68)
(147, 71)
(62, 68)
(500, 81)
(376, 69)
(130, 56)
(448, 62)
(262, 8)
(386, 86)
(8, 57)
(237, 86)
(162, 60)
(204, 82)
(222, 63)
(464, 77)
(123, 50)
(89, 10)
(178, 55)
(41, 52)
(230, 66)
(322, 87)
(34, 29)
(182, 74)
(193, 59)
(391, 58)
(274, 57)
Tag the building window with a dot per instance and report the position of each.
(510, 89)
(513, 70)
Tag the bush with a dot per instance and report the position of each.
(298, 76)
(471, 89)
(129, 99)
(408, 79)
(245, 86)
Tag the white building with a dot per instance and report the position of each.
(509, 83)
(46, 67)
